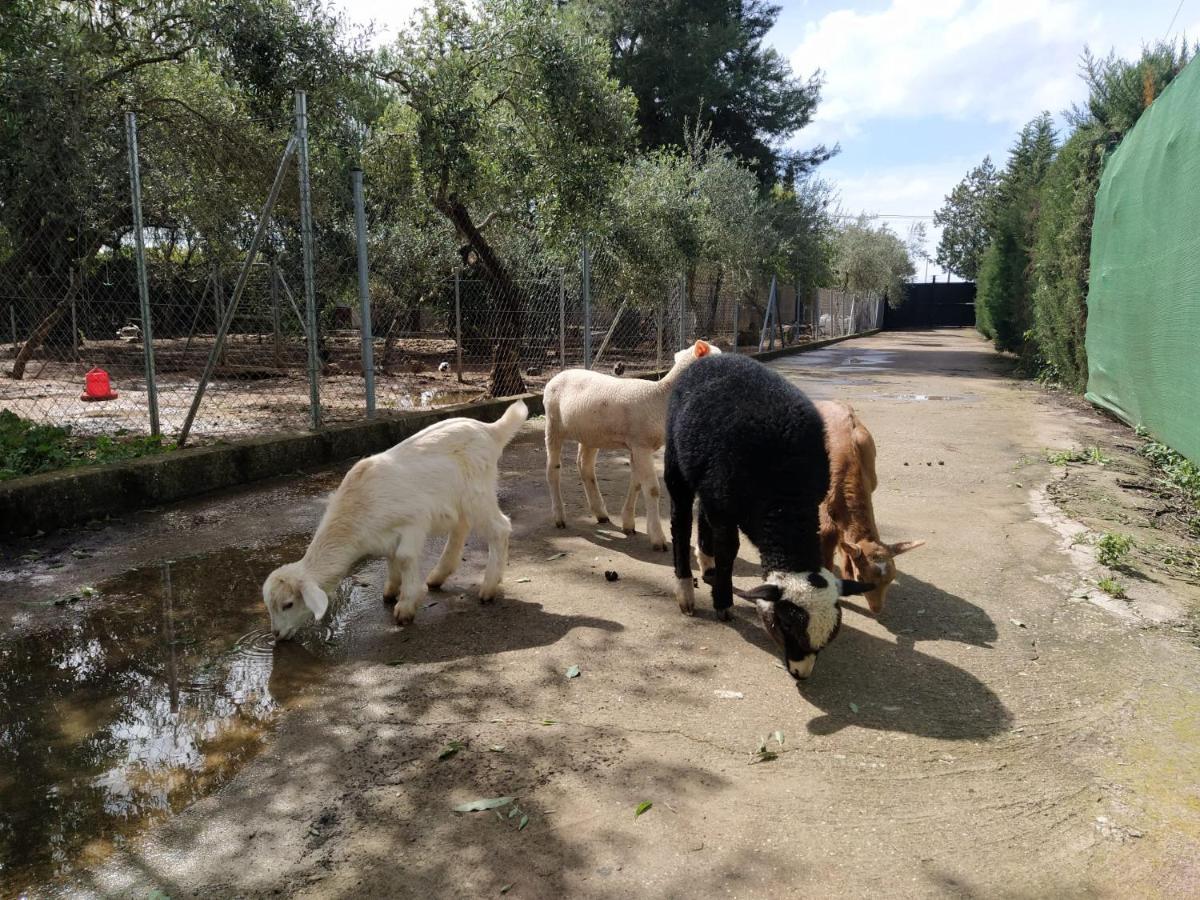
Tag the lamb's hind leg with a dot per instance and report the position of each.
(451, 555)
(495, 530)
(705, 551)
(725, 548)
(554, 445)
(682, 499)
(643, 471)
(629, 510)
(587, 471)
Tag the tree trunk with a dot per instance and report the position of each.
(42, 330)
(711, 321)
(508, 307)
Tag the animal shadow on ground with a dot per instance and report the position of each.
(637, 545)
(892, 686)
(919, 611)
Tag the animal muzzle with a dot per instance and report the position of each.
(801, 668)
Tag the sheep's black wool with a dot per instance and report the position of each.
(751, 446)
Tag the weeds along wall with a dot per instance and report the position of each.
(1143, 326)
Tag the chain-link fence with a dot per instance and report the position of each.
(239, 288)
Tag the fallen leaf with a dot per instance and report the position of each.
(495, 748)
(512, 812)
(549, 722)
(853, 707)
(730, 695)
(778, 735)
(506, 888)
(524, 580)
(450, 749)
(555, 556)
(573, 672)
(480, 805)
(642, 807)
(1017, 622)
(524, 821)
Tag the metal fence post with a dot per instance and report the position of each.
(585, 264)
(682, 310)
(658, 321)
(275, 323)
(735, 322)
(458, 320)
(12, 320)
(306, 241)
(135, 187)
(364, 293)
(562, 319)
(74, 331)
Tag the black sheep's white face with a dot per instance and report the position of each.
(800, 612)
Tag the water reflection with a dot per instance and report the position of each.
(136, 706)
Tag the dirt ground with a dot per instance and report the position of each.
(1003, 729)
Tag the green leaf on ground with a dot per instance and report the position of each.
(480, 805)
(573, 672)
(451, 748)
(555, 556)
(524, 580)
(854, 707)
(644, 806)
(506, 888)
(549, 722)
(524, 821)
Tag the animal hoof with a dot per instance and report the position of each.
(661, 548)
(601, 520)
(434, 585)
(560, 524)
(390, 599)
(405, 618)
(685, 596)
(722, 614)
(491, 596)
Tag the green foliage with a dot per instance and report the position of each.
(27, 448)
(685, 59)
(871, 257)
(1112, 549)
(1179, 471)
(964, 221)
(1002, 302)
(1093, 455)
(1112, 587)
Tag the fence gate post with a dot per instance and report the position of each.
(736, 303)
(135, 187)
(12, 320)
(74, 332)
(585, 266)
(458, 320)
(306, 242)
(364, 292)
(562, 319)
(275, 323)
(682, 310)
(658, 321)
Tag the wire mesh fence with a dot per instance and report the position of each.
(261, 298)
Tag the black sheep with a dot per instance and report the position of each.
(751, 447)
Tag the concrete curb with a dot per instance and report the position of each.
(70, 496)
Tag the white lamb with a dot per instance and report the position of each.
(606, 413)
(440, 481)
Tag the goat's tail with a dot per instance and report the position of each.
(506, 427)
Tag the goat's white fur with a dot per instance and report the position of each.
(603, 412)
(440, 481)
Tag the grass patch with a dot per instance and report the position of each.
(27, 448)
(1112, 587)
(1112, 549)
(1090, 455)
(1179, 471)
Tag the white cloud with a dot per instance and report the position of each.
(991, 60)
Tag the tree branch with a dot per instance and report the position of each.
(141, 63)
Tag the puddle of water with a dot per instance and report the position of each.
(137, 704)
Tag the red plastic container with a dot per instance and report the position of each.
(96, 387)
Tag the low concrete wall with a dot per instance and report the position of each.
(70, 496)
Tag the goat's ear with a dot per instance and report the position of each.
(904, 546)
(701, 349)
(854, 552)
(850, 588)
(768, 592)
(314, 599)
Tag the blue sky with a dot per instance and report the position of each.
(918, 91)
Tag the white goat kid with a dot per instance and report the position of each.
(440, 481)
(606, 413)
